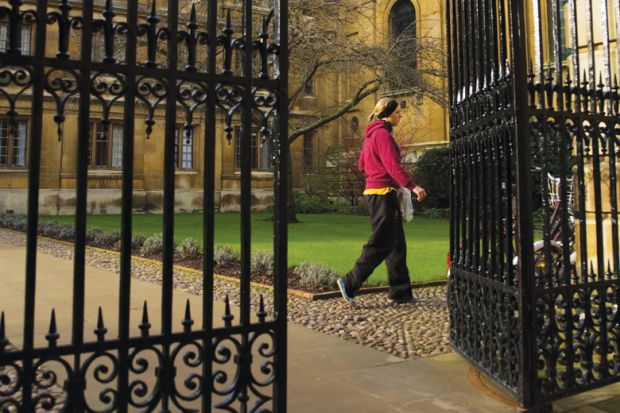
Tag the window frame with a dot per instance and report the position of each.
(309, 88)
(308, 151)
(179, 143)
(10, 145)
(93, 150)
(413, 24)
(26, 28)
(391, 18)
(257, 151)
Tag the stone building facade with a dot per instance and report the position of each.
(423, 126)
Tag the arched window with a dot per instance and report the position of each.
(402, 19)
(403, 31)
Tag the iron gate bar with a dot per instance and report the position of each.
(33, 200)
(246, 188)
(281, 207)
(614, 198)
(127, 206)
(524, 207)
(75, 401)
(167, 373)
(209, 200)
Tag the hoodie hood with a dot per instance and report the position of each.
(374, 125)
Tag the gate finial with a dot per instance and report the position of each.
(52, 336)
(100, 331)
(228, 317)
(145, 325)
(187, 322)
(3, 340)
(261, 314)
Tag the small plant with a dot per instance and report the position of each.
(101, 239)
(435, 213)
(48, 229)
(66, 232)
(224, 256)
(14, 222)
(432, 171)
(109, 239)
(137, 241)
(189, 248)
(153, 245)
(91, 235)
(315, 277)
(262, 262)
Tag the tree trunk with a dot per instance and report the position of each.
(290, 203)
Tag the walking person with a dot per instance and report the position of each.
(380, 161)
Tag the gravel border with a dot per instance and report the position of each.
(406, 330)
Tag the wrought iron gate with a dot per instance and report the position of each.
(157, 63)
(535, 287)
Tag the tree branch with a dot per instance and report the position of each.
(362, 93)
(308, 78)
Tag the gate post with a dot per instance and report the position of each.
(527, 344)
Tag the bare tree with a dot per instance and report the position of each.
(328, 42)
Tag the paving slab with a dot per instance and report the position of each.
(326, 373)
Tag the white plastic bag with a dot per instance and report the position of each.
(406, 204)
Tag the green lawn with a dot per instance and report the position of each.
(333, 240)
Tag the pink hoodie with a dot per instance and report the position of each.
(380, 159)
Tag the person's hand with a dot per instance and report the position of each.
(420, 193)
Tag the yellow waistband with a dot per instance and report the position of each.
(379, 191)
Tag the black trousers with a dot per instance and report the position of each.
(388, 243)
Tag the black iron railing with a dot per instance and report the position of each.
(176, 66)
(534, 292)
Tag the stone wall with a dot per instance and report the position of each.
(108, 201)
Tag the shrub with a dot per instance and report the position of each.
(435, 213)
(49, 229)
(225, 256)
(315, 277)
(432, 171)
(262, 262)
(66, 232)
(153, 245)
(56, 230)
(137, 241)
(103, 239)
(15, 222)
(189, 248)
(312, 204)
(91, 235)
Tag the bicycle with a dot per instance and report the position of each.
(554, 254)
